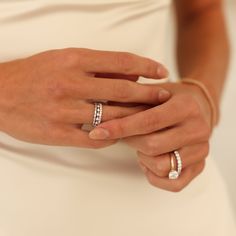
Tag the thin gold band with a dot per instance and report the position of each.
(172, 162)
(173, 174)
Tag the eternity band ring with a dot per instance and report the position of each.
(179, 161)
(97, 117)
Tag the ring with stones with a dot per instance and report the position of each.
(97, 117)
(175, 172)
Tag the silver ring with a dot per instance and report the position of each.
(175, 173)
(97, 117)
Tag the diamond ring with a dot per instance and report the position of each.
(97, 117)
(175, 173)
(179, 161)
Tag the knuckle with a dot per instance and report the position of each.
(124, 61)
(151, 147)
(71, 56)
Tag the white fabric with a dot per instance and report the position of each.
(62, 191)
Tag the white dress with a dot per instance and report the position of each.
(64, 191)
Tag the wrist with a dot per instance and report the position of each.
(205, 96)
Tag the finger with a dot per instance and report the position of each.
(168, 140)
(160, 165)
(70, 135)
(176, 185)
(79, 138)
(157, 118)
(84, 113)
(118, 90)
(95, 61)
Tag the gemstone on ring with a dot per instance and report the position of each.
(175, 170)
(179, 161)
(97, 118)
(173, 174)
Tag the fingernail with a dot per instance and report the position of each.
(162, 71)
(163, 95)
(99, 133)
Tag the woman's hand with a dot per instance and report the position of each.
(182, 123)
(45, 98)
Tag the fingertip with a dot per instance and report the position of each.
(162, 72)
(163, 95)
(99, 134)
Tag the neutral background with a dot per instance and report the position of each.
(224, 139)
(223, 142)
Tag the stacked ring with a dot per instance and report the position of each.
(174, 174)
(97, 118)
(179, 162)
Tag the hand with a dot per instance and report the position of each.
(182, 123)
(45, 98)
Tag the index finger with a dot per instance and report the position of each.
(145, 122)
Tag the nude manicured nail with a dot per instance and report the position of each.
(99, 134)
(163, 95)
(162, 72)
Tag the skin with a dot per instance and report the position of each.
(51, 101)
(45, 98)
(183, 122)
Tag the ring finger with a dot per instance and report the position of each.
(85, 112)
(176, 185)
(160, 165)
